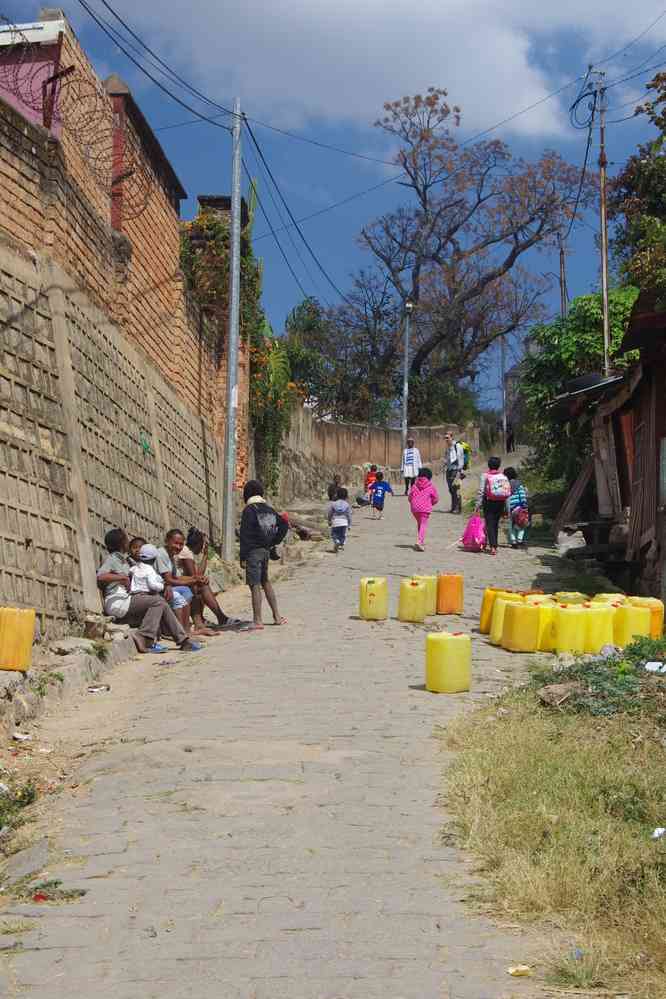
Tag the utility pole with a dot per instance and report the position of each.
(409, 306)
(503, 375)
(563, 282)
(600, 103)
(229, 526)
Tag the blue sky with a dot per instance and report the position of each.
(322, 71)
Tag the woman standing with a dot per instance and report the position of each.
(411, 463)
(517, 509)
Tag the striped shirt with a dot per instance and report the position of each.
(411, 462)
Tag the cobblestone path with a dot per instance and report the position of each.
(260, 821)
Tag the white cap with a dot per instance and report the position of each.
(148, 553)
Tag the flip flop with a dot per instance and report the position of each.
(254, 627)
(156, 648)
(233, 624)
(276, 624)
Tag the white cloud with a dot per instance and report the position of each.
(299, 61)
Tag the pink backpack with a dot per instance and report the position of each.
(474, 538)
(497, 487)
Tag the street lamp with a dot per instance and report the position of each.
(409, 308)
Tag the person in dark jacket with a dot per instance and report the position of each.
(261, 528)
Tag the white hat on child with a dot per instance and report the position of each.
(148, 553)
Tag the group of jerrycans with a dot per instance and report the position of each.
(448, 655)
(567, 622)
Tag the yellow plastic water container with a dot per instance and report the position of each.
(373, 598)
(499, 610)
(489, 595)
(656, 613)
(448, 663)
(631, 622)
(609, 598)
(571, 597)
(599, 630)
(17, 633)
(450, 593)
(431, 590)
(569, 628)
(536, 599)
(546, 630)
(521, 627)
(413, 601)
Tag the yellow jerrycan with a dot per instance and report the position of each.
(499, 610)
(412, 603)
(17, 633)
(546, 630)
(569, 628)
(631, 622)
(450, 593)
(521, 627)
(373, 598)
(598, 626)
(431, 591)
(656, 613)
(489, 595)
(538, 598)
(571, 597)
(609, 598)
(448, 663)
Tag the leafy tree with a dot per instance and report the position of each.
(456, 248)
(559, 352)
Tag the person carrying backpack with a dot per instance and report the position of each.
(494, 491)
(261, 529)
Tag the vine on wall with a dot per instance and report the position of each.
(205, 262)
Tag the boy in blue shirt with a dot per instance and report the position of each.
(378, 491)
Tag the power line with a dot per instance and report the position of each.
(286, 228)
(275, 236)
(338, 204)
(293, 217)
(157, 82)
(633, 41)
(583, 173)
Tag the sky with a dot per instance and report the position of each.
(322, 70)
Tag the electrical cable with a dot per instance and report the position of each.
(339, 204)
(293, 217)
(649, 28)
(287, 229)
(583, 172)
(157, 82)
(275, 236)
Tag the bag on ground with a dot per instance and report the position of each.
(474, 537)
(521, 517)
(497, 487)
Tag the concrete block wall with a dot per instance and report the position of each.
(91, 437)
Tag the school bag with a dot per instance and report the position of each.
(497, 486)
(474, 538)
(521, 517)
(467, 451)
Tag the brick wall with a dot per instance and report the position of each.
(56, 197)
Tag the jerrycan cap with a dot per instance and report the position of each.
(457, 634)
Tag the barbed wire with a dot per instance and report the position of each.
(80, 108)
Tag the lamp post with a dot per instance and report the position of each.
(409, 308)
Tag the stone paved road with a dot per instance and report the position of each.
(260, 821)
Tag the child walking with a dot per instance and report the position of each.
(261, 529)
(423, 496)
(378, 490)
(494, 491)
(339, 519)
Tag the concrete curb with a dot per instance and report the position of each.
(24, 696)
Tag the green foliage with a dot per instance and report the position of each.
(563, 350)
(272, 397)
(13, 801)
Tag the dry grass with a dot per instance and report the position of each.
(560, 809)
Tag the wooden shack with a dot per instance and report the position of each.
(628, 414)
